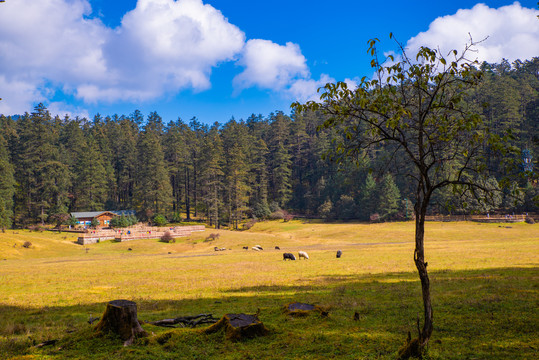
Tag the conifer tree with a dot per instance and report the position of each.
(280, 160)
(388, 198)
(7, 186)
(212, 174)
(153, 190)
(368, 201)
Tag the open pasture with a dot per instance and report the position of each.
(484, 278)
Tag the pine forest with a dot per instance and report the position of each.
(260, 167)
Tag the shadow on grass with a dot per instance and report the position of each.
(488, 313)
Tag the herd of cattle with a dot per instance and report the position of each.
(286, 256)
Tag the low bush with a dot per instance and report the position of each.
(27, 244)
(276, 215)
(167, 237)
(529, 220)
(159, 220)
(212, 237)
(249, 224)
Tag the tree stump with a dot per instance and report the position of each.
(120, 317)
(301, 309)
(239, 326)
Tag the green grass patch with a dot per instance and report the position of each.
(484, 279)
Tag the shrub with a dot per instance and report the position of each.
(176, 218)
(27, 244)
(94, 223)
(212, 237)
(277, 215)
(249, 224)
(132, 220)
(36, 228)
(261, 210)
(167, 237)
(159, 220)
(274, 206)
(326, 210)
(529, 220)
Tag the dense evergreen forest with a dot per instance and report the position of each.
(255, 168)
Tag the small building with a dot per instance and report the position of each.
(104, 217)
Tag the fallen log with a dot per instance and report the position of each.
(302, 309)
(190, 321)
(47, 343)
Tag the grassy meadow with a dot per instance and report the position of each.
(484, 282)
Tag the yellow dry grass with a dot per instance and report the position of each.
(55, 271)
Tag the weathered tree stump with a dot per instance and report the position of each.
(239, 326)
(301, 309)
(120, 317)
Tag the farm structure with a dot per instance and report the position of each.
(513, 218)
(137, 232)
(104, 217)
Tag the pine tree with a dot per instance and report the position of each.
(280, 162)
(7, 186)
(43, 177)
(212, 174)
(90, 185)
(368, 197)
(388, 198)
(237, 189)
(153, 190)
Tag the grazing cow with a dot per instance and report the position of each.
(255, 248)
(216, 248)
(246, 248)
(259, 247)
(303, 254)
(277, 248)
(289, 256)
(339, 253)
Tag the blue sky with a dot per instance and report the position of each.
(217, 59)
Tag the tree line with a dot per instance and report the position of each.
(259, 167)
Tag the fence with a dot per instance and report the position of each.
(137, 232)
(478, 218)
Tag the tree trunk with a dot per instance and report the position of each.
(239, 326)
(120, 317)
(421, 265)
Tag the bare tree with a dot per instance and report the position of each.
(415, 108)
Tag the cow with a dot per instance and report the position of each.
(277, 248)
(246, 248)
(303, 254)
(339, 253)
(256, 248)
(259, 247)
(289, 256)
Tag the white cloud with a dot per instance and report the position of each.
(512, 31)
(165, 45)
(270, 66)
(304, 90)
(161, 46)
(17, 96)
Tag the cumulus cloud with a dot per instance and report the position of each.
(50, 48)
(165, 45)
(304, 90)
(161, 46)
(512, 31)
(270, 66)
(37, 55)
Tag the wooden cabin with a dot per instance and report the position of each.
(104, 217)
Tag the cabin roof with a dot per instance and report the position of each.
(93, 214)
